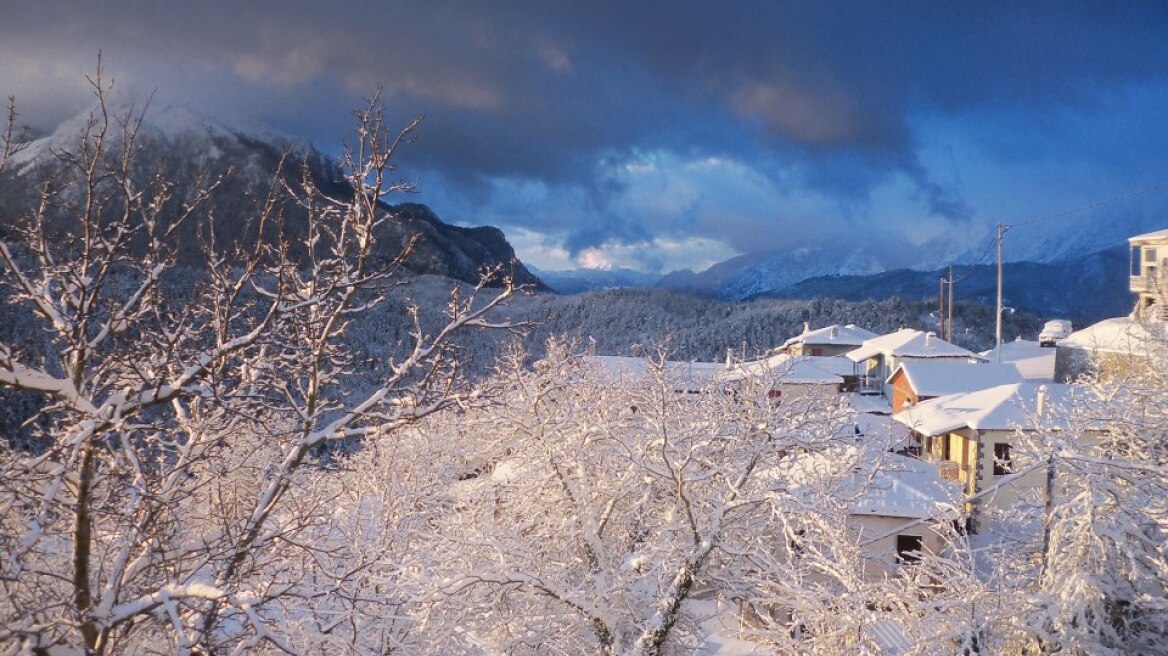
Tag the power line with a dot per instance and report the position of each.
(990, 240)
(1093, 206)
(980, 259)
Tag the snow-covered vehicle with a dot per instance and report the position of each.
(1053, 331)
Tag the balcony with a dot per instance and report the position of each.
(1143, 284)
(871, 385)
(950, 471)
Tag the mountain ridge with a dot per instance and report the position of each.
(184, 146)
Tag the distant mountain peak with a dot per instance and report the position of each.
(753, 274)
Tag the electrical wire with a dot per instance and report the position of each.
(1092, 206)
(1082, 209)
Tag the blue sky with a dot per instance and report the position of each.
(662, 135)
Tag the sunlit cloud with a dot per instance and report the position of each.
(608, 131)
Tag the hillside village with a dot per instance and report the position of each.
(608, 328)
(951, 418)
(222, 460)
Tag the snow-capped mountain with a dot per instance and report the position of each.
(1064, 238)
(1085, 288)
(160, 122)
(185, 146)
(755, 274)
(1072, 245)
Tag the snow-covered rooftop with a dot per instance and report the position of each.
(1005, 407)
(1034, 362)
(907, 342)
(1119, 335)
(869, 403)
(1150, 236)
(836, 364)
(793, 369)
(905, 487)
(909, 488)
(941, 377)
(880, 429)
(849, 335)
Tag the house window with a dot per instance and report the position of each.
(1002, 462)
(908, 549)
(816, 351)
(1150, 255)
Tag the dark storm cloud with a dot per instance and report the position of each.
(550, 91)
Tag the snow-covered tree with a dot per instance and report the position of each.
(1091, 545)
(175, 498)
(597, 505)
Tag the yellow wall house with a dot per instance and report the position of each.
(973, 436)
(1149, 274)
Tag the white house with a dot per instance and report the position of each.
(1122, 345)
(686, 376)
(792, 374)
(891, 513)
(878, 357)
(1032, 360)
(827, 341)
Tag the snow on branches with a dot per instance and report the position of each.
(177, 500)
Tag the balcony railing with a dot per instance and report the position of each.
(871, 385)
(950, 471)
(1143, 284)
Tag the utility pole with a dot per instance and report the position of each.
(941, 307)
(949, 322)
(1040, 401)
(998, 325)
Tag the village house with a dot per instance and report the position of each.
(917, 380)
(895, 519)
(1149, 274)
(877, 358)
(828, 341)
(1121, 345)
(790, 376)
(972, 437)
(1033, 361)
(889, 513)
(687, 377)
(895, 516)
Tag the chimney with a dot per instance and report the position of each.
(834, 331)
(929, 339)
(806, 327)
(1040, 401)
(729, 357)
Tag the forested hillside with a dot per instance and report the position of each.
(624, 321)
